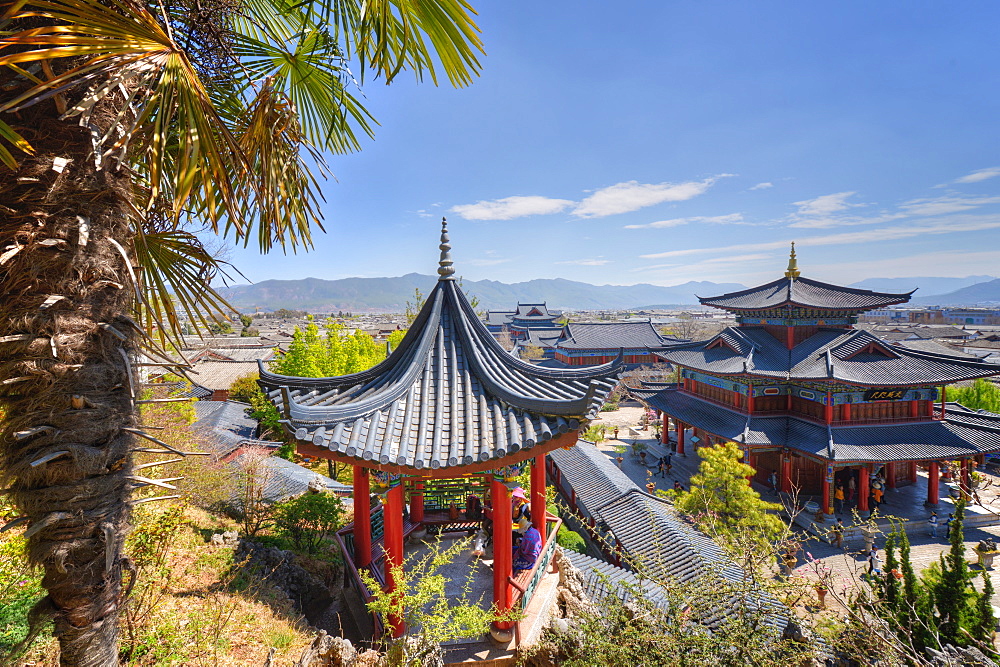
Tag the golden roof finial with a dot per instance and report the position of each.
(793, 266)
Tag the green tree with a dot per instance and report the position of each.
(953, 589)
(723, 503)
(309, 520)
(151, 123)
(980, 395)
(413, 307)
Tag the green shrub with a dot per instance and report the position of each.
(309, 519)
(570, 539)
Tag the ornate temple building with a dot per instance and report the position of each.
(527, 318)
(448, 415)
(811, 398)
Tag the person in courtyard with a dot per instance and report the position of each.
(528, 550)
(852, 488)
(932, 525)
(838, 498)
(678, 486)
(772, 479)
(874, 562)
(837, 534)
(947, 526)
(877, 495)
(661, 466)
(473, 507)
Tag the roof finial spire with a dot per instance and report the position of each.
(793, 266)
(446, 268)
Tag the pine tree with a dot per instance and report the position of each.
(724, 504)
(985, 622)
(892, 593)
(952, 591)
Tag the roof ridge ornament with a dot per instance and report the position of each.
(793, 266)
(446, 267)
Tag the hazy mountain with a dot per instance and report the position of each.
(391, 294)
(928, 286)
(985, 293)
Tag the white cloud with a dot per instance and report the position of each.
(945, 205)
(954, 224)
(730, 219)
(844, 221)
(632, 195)
(762, 186)
(586, 262)
(825, 205)
(980, 175)
(509, 208)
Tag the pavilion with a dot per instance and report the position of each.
(811, 398)
(447, 408)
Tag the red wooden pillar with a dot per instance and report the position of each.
(932, 483)
(828, 409)
(944, 399)
(417, 503)
(890, 474)
(827, 509)
(680, 437)
(394, 548)
(863, 489)
(915, 409)
(913, 472)
(789, 337)
(538, 495)
(788, 400)
(664, 432)
(750, 399)
(503, 553)
(845, 412)
(362, 518)
(786, 472)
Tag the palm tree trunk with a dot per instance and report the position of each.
(65, 386)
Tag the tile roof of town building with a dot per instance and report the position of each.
(224, 426)
(448, 395)
(936, 346)
(594, 478)
(499, 318)
(534, 311)
(611, 336)
(848, 355)
(197, 343)
(962, 434)
(220, 375)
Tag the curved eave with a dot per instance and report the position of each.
(783, 304)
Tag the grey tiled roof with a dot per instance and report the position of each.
(448, 395)
(590, 473)
(498, 317)
(804, 292)
(656, 540)
(829, 354)
(223, 425)
(961, 434)
(610, 336)
(523, 310)
(220, 375)
(936, 347)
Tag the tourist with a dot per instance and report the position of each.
(528, 550)
(520, 511)
(932, 525)
(837, 534)
(852, 488)
(877, 495)
(678, 486)
(947, 526)
(772, 479)
(473, 507)
(874, 562)
(838, 498)
(661, 466)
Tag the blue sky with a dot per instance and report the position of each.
(662, 142)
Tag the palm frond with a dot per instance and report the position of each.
(177, 275)
(127, 49)
(8, 134)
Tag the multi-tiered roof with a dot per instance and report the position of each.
(448, 396)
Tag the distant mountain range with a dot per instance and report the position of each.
(391, 294)
(927, 286)
(982, 294)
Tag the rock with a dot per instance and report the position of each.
(217, 540)
(230, 538)
(572, 594)
(953, 656)
(309, 594)
(560, 626)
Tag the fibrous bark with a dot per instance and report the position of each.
(65, 386)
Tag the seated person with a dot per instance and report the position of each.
(528, 550)
(473, 507)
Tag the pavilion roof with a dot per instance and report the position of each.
(448, 396)
(804, 292)
(961, 433)
(848, 355)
